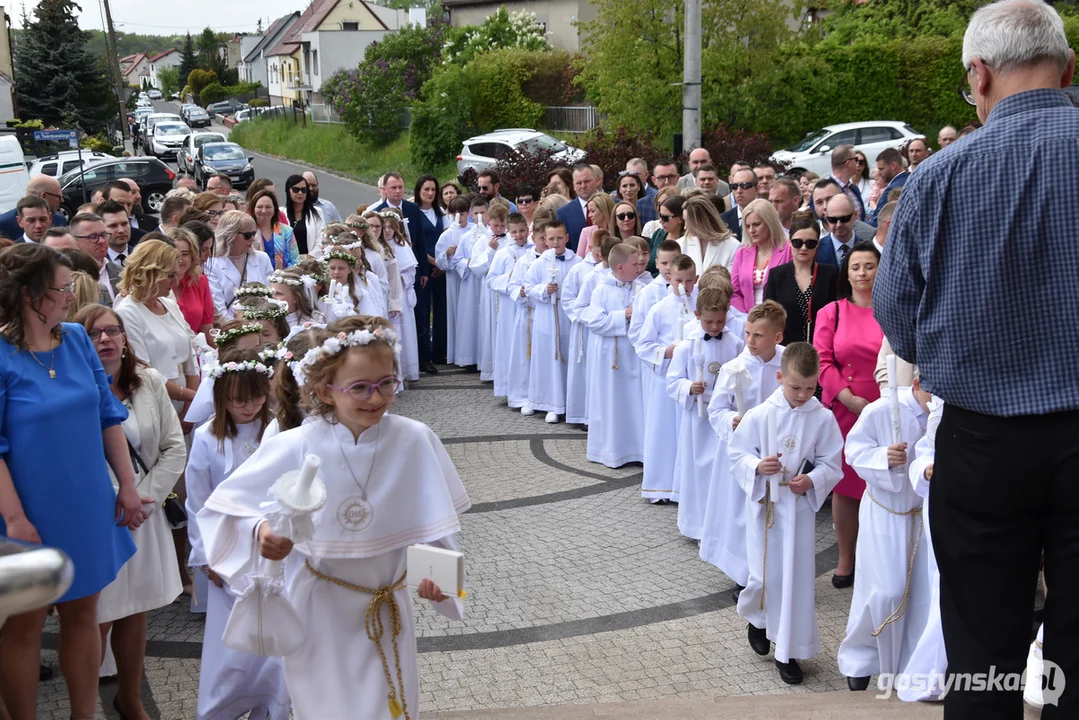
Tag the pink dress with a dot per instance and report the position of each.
(848, 356)
(744, 278)
(584, 243)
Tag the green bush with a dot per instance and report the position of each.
(443, 118)
(199, 79)
(212, 93)
(259, 102)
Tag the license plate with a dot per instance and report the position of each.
(235, 178)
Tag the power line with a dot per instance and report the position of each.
(173, 27)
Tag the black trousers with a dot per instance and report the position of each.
(437, 288)
(423, 322)
(1004, 489)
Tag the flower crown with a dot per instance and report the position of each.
(338, 344)
(284, 279)
(247, 365)
(359, 225)
(227, 336)
(390, 214)
(337, 253)
(253, 291)
(266, 313)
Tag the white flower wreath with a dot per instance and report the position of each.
(283, 279)
(337, 344)
(218, 370)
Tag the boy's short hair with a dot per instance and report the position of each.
(555, 225)
(459, 205)
(771, 312)
(516, 218)
(713, 300)
(683, 262)
(801, 358)
(607, 242)
(669, 246)
(620, 253)
(497, 212)
(499, 202)
(717, 270)
(638, 242)
(478, 201)
(715, 281)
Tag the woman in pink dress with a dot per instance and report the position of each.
(848, 339)
(764, 246)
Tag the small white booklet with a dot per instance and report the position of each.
(445, 568)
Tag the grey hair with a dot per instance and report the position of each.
(227, 228)
(1011, 34)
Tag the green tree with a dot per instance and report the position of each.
(188, 60)
(199, 79)
(499, 30)
(210, 56)
(58, 81)
(169, 79)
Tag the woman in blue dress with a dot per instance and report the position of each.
(59, 425)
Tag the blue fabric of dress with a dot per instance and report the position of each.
(50, 437)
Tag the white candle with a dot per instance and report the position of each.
(700, 375)
(311, 464)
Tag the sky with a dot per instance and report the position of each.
(156, 17)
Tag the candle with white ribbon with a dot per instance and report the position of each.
(698, 358)
(893, 402)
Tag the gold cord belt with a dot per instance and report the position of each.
(528, 349)
(383, 596)
(913, 542)
(769, 521)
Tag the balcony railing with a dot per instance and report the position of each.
(300, 82)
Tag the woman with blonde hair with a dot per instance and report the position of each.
(706, 239)
(235, 261)
(87, 292)
(601, 217)
(764, 246)
(192, 289)
(626, 222)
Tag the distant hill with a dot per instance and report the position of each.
(131, 43)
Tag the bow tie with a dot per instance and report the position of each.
(560, 257)
(708, 337)
(621, 284)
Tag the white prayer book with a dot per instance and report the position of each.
(445, 568)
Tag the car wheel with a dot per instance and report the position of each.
(155, 200)
(65, 211)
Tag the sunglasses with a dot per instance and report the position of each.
(743, 186)
(798, 244)
(832, 220)
(665, 218)
(248, 235)
(299, 190)
(626, 216)
(524, 201)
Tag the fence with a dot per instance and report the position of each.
(322, 113)
(571, 119)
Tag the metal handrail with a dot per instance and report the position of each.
(31, 576)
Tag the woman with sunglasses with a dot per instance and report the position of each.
(235, 261)
(303, 215)
(669, 222)
(802, 286)
(626, 222)
(862, 177)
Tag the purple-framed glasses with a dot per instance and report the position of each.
(361, 390)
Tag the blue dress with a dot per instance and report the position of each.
(50, 437)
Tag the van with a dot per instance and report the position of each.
(13, 173)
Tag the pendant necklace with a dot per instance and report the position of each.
(52, 363)
(355, 513)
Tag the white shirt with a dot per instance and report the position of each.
(115, 256)
(849, 245)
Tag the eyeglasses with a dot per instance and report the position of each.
(68, 289)
(248, 234)
(743, 186)
(96, 237)
(964, 88)
(525, 201)
(798, 244)
(43, 193)
(249, 402)
(215, 213)
(665, 218)
(627, 216)
(386, 387)
(298, 190)
(832, 219)
(112, 331)
(667, 178)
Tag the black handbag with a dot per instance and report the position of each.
(174, 511)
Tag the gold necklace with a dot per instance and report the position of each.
(52, 363)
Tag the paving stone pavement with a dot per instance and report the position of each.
(579, 591)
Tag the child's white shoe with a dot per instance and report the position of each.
(551, 417)
(527, 411)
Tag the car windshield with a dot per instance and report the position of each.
(197, 111)
(70, 175)
(225, 152)
(174, 130)
(201, 140)
(542, 142)
(810, 140)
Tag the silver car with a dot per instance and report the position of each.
(185, 159)
(483, 151)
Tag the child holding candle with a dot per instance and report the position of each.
(446, 260)
(499, 280)
(580, 284)
(468, 296)
(521, 342)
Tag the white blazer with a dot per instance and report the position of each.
(721, 253)
(225, 278)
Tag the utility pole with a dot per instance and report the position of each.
(118, 77)
(691, 78)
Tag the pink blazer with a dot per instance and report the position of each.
(745, 259)
(584, 244)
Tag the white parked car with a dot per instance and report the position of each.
(58, 164)
(814, 153)
(167, 138)
(483, 151)
(185, 159)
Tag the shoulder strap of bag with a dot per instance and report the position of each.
(137, 459)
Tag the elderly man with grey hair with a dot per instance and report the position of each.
(977, 287)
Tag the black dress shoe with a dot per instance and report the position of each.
(758, 640)
(789, 672)
(429, 368)
(45, 673)
(736, 592)
(843, 581)
(858, 684)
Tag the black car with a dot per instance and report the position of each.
(153, 177)
(225, 107)
(223, 159)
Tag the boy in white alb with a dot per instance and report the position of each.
(890, 605)
(499, 278)
(615, 406)
(521, 340)
(785, 455)
(483, 254)
(445, 259)
(575, 302)
(468, 297)
(690, 383)
(647, 299)
(664, 326)
(550, 326)
(753, 375)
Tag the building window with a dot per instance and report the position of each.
(350, 26)
(314, 61)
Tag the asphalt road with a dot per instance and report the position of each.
(344, 193)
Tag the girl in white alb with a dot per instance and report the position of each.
(389, 484)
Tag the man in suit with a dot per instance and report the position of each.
(33, 218)
(785, 197)
(120, 191)
(890, 167)
(42, 186)
(823, 192)
(844, 164)
(574, 214)
(134, 212)
(394, 189)
(664, 173)
(89, 232)
(837, 244)
(115, 217)
(744, 185)
(172, 210)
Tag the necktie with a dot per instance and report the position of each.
(843, 252)
(587, 220)
(708, 337)
(121, 259)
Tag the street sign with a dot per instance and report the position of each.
(72, 136)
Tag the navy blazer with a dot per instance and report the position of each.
(730, 219)
(415, 219)
(573, 216)
(9, 226)
(826, 250)
(431, 231)
(897, 182)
